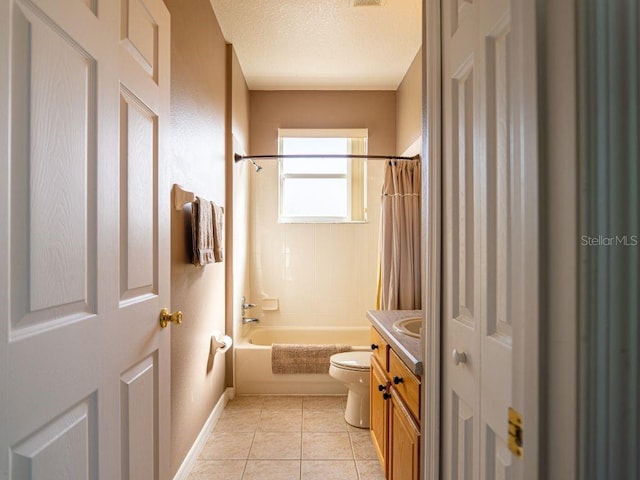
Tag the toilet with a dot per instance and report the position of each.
(352, 369)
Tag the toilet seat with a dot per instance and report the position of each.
(354, 361)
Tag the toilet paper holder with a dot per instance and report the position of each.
(220, 343)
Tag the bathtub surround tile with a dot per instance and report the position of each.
(276, 446)
(326, 446)
(218, 470)
(238, 420)
(325, 420)
(284, 402)
(329, 470)
(227, 446)
(369, 470)
(324, 402)
(284, 420)
(272, 470)
(362, 446)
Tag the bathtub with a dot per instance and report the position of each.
(253, 359)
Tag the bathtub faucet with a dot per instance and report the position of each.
(249, 320)
(246, 306)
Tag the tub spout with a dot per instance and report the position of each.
(250, 320)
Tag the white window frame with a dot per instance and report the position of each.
(320, 133)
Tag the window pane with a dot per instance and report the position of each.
(314, 197)
(314, 146)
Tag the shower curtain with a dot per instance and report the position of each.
(399, 272)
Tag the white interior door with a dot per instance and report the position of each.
(482, 263)
(84, 95)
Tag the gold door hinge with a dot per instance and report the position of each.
(515, 433)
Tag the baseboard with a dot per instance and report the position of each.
(191, 457)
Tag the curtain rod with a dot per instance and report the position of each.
(239, 157)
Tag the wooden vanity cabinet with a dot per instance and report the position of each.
(404, 442)
(395, 412)
(379, 386)
(379, 411)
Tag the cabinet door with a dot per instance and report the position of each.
(380, 349)
(404, 442)
(379, 408)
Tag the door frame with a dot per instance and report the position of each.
(431, 237)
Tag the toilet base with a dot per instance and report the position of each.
(357, 411)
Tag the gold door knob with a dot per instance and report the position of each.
(166, 317)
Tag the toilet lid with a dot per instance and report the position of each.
(352, 360)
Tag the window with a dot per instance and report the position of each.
(322, 190)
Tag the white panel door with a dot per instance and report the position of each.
(462, 239)
(84, 366)
(482, 243)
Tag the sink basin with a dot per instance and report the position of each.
(409, 326)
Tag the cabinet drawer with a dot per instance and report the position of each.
(405, 383)
(380, 349)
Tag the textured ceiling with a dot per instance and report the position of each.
(321, 44)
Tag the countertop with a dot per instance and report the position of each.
(409, 349)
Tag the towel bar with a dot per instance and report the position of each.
(181, 197)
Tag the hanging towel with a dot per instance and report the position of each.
(202, 232)
(218, 232)
(300, 358)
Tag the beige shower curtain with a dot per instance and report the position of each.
(399, 272)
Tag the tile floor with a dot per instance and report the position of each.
(287, 438)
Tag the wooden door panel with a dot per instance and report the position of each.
(138, 197)
(139, 34)
(460, 12)
(53, 229)
(462, 439)
(498, 188)
(64, 448)
(84, 366)
(497, 456)
(497, 334)
(462, 196)
(143, 266)
(478, 258)
(462, 269)
(139, 421)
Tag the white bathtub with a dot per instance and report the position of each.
(253, 359)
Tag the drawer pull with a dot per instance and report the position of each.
(381, 388)
(386, 396)
(397, 380)
(373, 346)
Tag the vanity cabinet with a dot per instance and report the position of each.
(395, 412)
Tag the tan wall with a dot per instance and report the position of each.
(198, 164)
(323, 274)
(409, 107)
(237, 200)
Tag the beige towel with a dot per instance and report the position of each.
(202, 232)
(218, 232)
(297, 358)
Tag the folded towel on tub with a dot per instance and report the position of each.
(202, 232)
(298, 358)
